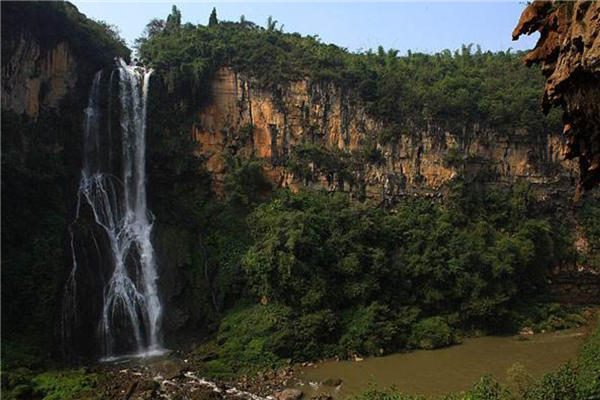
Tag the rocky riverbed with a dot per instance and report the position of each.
(174, 379)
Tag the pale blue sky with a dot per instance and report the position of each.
(418, 26)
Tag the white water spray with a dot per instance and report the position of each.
(131, 309)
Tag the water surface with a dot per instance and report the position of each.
(438, 372)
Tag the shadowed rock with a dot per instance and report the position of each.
(569, 54)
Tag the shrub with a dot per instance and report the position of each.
(430, 333)
(488, 389)
(384, 394)
(374, 330)
(588, 361)
(51, 385)
(244, 340)
(561, 385)
(519, 378)
(64, 385)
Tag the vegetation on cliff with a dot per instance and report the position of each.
(454, 89)
(96, 42)
(279, 277)
(271, 278)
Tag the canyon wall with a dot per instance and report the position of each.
(244, 118)
(569, 54)
(33, 78)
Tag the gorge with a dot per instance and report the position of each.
(253, 199)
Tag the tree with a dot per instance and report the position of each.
(271, 23)
(213, 21)
(174, 19)
(154, 27)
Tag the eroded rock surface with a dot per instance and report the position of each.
(243, 118)
(569, 54)
(34, 77)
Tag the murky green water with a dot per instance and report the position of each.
(446, 370)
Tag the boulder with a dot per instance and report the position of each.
(332, 382)
(288, 394)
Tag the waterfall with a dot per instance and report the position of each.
(114, 196)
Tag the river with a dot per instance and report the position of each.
(442, 371)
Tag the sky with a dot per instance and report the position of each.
(417, 26)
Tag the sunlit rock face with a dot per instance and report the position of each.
(569, 54)
(303, 112)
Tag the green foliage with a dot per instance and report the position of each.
(478, 261)
(245, 183)
(375, 330)
(37, 162)
(578, 381)
(63, 385)
(454, 89)
(551, 316)
(304, 242)
(34, 222)
(488, 389)
(469, 263)
(50, 23)
(519, 378)
(453, 158)
(212, 20)
(588, 363)
(50, 385)
(245, 337)
(430, 333)
(384, 394)
(308, 161)
(561, 385)
(173, 20)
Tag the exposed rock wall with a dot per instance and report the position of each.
(34, 77)
(569, 54)
(418, 162)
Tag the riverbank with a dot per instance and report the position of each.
(517, 363)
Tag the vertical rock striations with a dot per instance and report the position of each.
(348, 152)
(569, 54)
(34, 78)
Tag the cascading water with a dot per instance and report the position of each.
(114, 195)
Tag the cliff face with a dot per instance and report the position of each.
(569, 54)
(244, 118)
(34, 77)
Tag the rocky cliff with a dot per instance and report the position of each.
(34, 78)
(50, 52)
(569, 54)
(278, 125)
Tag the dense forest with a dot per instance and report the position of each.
(267, 277)
(453, 88)
(339, 276)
